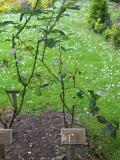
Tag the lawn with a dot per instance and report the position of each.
(98, 61)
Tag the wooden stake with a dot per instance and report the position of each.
(2, 152)
(72, 152)
(71, 137)
(5, 137)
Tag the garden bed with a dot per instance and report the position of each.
(38, 138)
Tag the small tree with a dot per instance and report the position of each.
(99, 18)
(49, 14)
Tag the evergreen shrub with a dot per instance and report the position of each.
(99, 18)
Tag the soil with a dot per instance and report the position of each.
(38, 137)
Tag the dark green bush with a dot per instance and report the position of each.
(113, 34)
(99, 17)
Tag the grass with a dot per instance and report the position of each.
(98, 61)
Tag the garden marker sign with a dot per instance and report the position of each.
(5, 137)
(71, 137)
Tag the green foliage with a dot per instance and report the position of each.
(101, 119)
(115, 1)
(98, 69)
(111, 128)
(99, 17)
(80, 93)
(93, 108)
(48, 39)
(113, 35)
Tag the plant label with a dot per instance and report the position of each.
(73, 136)
(5, 136)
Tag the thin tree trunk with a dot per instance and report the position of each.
(72, 152)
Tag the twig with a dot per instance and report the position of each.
(73, 114)
(22, 28)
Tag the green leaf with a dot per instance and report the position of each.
(92, 103)
(65, 14)
(51, 43)
(111, 128)
(66, 49)
(101, 119)
(8, 40)
(5, 23)
(95, 110)
(21, 16)
(46, 85)
(63, 48)
(63, 74)
(80, 93)
(91, 92)
(94, 95)
(76, 7)
(59, 31)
